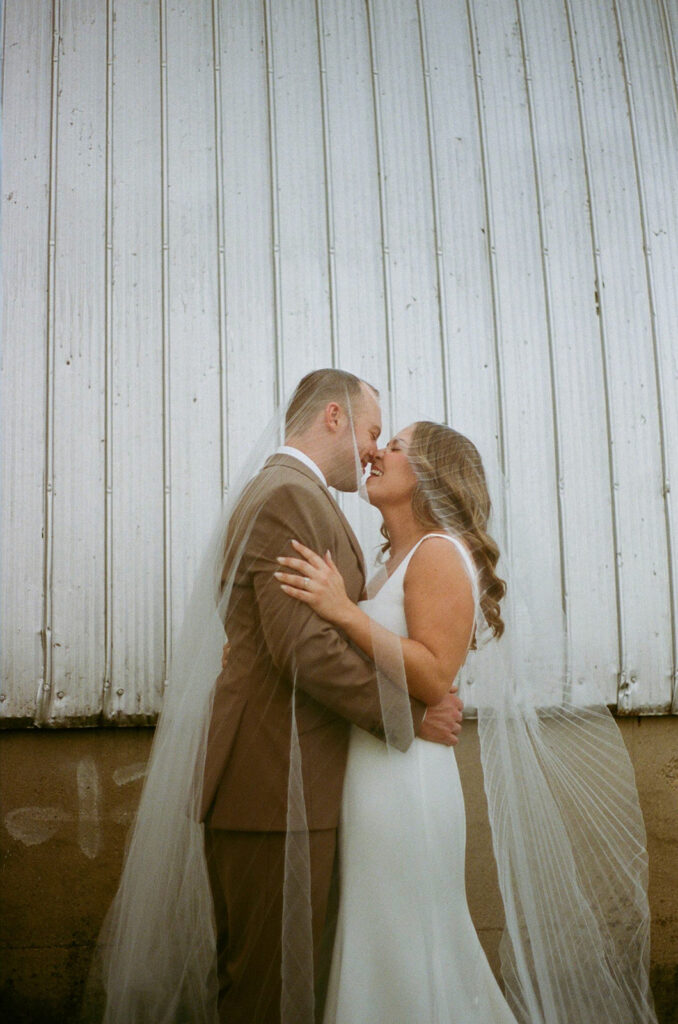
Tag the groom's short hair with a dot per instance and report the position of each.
(315, 390)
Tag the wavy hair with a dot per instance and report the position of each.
(451, 494)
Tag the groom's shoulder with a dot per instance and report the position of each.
(283, 472)
(284, 484)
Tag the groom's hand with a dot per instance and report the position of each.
(442, 722)
(224, 655)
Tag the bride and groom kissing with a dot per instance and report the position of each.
(311, 658)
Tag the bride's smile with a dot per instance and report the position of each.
(392, 479)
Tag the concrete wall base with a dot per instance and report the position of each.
(66, 801)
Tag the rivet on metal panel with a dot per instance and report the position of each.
(60, 694)
(3, 697)
(120, 692)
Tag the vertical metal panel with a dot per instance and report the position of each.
(549, 339)
(78, 331)
(652, 108)
(250, 292)
(221, 251)
(46, 682)
(578, 381)
(304, 296)
(408, 208)
(194, 357)
(327, 176)
(468, 288)
(431, 137)
(167, 592)
(353, 155)
(642, 543)
(135, 381)
(528, 418)
(464, 274)
(27, 67)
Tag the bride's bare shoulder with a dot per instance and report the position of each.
(437, 562)
(438, 596)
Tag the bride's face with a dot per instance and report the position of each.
(392, 480)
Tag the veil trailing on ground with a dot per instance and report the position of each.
(156, 954)
(567, 832)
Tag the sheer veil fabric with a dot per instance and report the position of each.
(567, 831)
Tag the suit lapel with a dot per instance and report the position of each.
(289, 462)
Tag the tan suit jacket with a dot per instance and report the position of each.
(273, 638)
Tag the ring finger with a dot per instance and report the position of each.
(294, 580)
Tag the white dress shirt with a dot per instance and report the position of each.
(286, 449)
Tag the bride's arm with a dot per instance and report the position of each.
(439, 612)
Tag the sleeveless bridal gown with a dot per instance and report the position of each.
(406, 950)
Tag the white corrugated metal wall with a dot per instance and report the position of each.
(472, 203)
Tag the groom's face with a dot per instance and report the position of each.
(358, 439)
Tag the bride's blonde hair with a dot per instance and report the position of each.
(451, 494)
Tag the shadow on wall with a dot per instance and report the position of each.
(68, 798)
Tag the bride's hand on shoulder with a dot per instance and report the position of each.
(317, 582)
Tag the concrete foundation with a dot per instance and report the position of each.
(66, 801)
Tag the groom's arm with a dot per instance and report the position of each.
(327, 667)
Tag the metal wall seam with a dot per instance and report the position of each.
(435, 203)
(43, 700)
(383, 211)
(622, 694)
(329, 193)
(491, 255)
(108, 368)
(548, 309)
(221, 249)
(275, 205)
(165, 315)
(659, 384)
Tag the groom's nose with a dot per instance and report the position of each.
(370, 450)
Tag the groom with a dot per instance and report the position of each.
(275, 641)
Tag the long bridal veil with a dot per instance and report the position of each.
(567, 832)
(155, 961)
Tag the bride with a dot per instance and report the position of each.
(402, 817)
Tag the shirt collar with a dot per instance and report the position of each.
(286, 449)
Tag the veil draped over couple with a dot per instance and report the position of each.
(298, 853)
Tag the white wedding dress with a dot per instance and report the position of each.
(406, 950)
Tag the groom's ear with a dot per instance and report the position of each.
(333, 415)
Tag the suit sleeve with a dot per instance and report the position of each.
(327, 667)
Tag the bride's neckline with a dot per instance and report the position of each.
(391, 570)
(401, 561)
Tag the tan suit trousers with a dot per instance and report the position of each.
(246, 872)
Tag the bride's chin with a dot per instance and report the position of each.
(371, 497)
